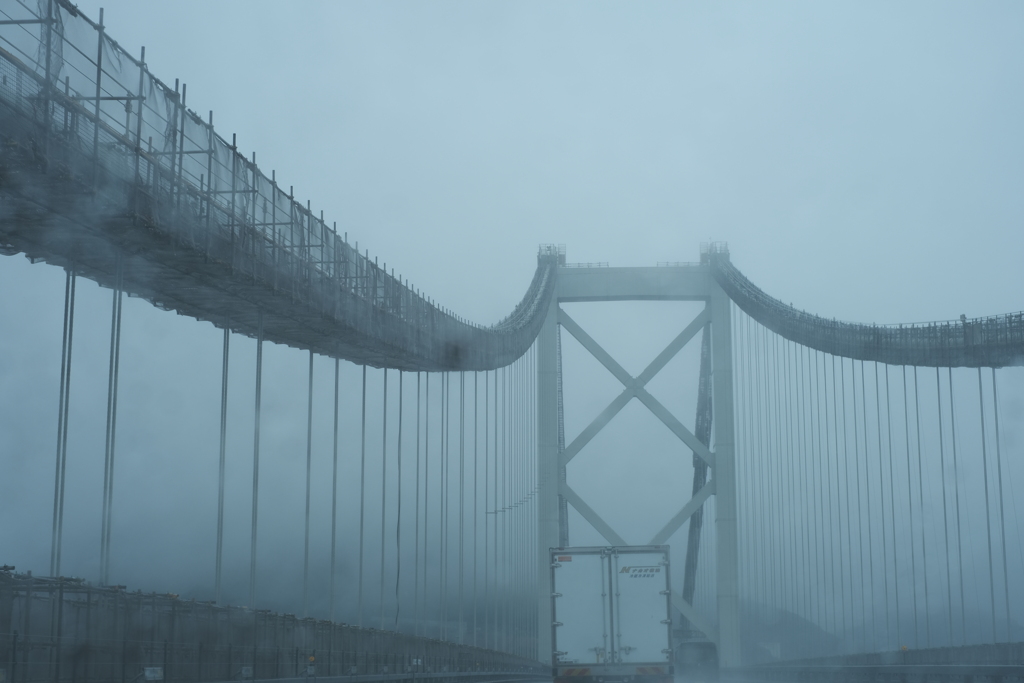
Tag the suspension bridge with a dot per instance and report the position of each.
(850, 514)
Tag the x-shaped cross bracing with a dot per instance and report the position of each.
(634, 387)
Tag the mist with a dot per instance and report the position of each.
(863, 162)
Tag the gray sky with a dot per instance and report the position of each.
(864, 161)
(855, 156)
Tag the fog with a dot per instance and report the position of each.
(863, 162)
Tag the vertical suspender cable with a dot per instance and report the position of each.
(510, 515)
(846, 475)
(781, 483)
(476, 508)
(398, 495)
(362, 504)
(920, 500)
(761, 468)
(805, 485)
(956, 497)
(513, 509)
(802, 467)
(107, 446)
(499, 515)
(67, 343)
(334, 489)
(502, 558)
(309, 478)
(819, 463)
(945, 510)
(828, 501)
(743, 449)
(839, 497)
(819, 489)
(988, 515)
(816, 492)
(506, 479)
(1002, 517)
(113, 417)
(523, 502)
(860, 523)
(881, 500)
(462, 503)
(487, 504)
(801, 584)
(256, 460)
(513, 567)
(497, 583)
(801, 536)
(785, 500)
(443, 512)
(383, 494)
(867, 488)
(426, 499)
(892, 508)
(740, 448)
(779, 555)
(220, 472)
(520, 501)
(770, 484)
(533, 484)
(910, 509)
(516, 509)
(796, 578)
(795, 593)
(108, 454)
(416, 555)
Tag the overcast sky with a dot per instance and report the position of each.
(864, 161)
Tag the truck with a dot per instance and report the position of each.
(611, 615)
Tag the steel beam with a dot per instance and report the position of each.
(547, 472)
(591, 515)
(684, 514)
(727, 562)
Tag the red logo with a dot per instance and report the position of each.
(565, 558)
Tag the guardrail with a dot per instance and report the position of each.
(1003, 662)
(896, 673)
(63, 630)
(472, 677)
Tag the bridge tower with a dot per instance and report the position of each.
(690, 282)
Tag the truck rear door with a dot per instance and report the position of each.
(581, 587)
(641, 604)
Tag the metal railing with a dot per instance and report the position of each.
(92, 135)
(61, 629)
(995, 341)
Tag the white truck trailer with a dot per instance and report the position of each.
(611, 615)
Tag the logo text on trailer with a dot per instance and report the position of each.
(640, 572)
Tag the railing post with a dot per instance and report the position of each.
(178, 179)
(47, 84)
(96, 108)
(138, 125)
(209, 178)
(234, 174)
